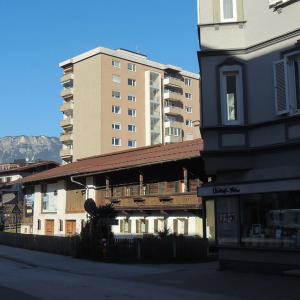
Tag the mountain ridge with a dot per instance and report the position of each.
(30, 148)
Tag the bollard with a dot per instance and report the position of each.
(104, 248)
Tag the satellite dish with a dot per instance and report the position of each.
(89, 205)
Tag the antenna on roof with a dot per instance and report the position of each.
(138, 49)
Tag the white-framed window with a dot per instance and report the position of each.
(287, 84)
(116, 63)
(131, 82)
(126, 225)
(189, 136)
(143, 226)
(131, 128)
(182, 228)
(116, 94)
(189, 123)
(231, 89)
(131, 112)
(170, 119)
(116, 78)
(173, 131)
(131, 67)
(116, 125)
(132, 97)
(116, 109)
(188, 109)
(131, 144)
(187, 81)
(188, 95)
(116, 141)
(228, 10)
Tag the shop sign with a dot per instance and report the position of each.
(227, 190)
(249, 188)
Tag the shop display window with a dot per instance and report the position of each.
(227, 223)
(270, 220)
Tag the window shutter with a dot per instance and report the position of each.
(137, 226)
(281, 99)
(138, 190)
(155, 225)
(176, 186)
(122, 191)
(129, 226)
(121, 225)
(146, 226)
(162, 188)
(147, 189)
(175, 226)
(186, 227)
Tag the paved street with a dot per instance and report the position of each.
(36, 275)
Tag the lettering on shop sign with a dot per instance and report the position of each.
(225, 191)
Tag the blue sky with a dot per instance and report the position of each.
(36, 35)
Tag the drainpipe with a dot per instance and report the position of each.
(86, 187)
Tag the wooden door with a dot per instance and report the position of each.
(70, 227)
(49, 224)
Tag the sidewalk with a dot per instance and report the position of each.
(200, 278)
(74, 265)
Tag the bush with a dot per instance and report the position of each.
(88, 242)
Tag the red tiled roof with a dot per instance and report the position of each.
(123, 159)
(30, 166)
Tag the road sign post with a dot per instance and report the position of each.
(16, 211)
(108, 222)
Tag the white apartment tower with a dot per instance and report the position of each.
(117, 99)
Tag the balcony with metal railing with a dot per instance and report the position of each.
(66, 92)
(66, 137)
(172, 95)
(68, 122)
(172, 81)
(67, 106)
(66, 77)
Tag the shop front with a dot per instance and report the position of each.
(257, 225)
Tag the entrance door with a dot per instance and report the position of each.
(70, 227)
(49, 227)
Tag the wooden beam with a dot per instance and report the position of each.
(141, 184)
(107, 190)
(185, 179)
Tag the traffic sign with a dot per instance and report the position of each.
(16, 210)
(89, 205)
(108, 222)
